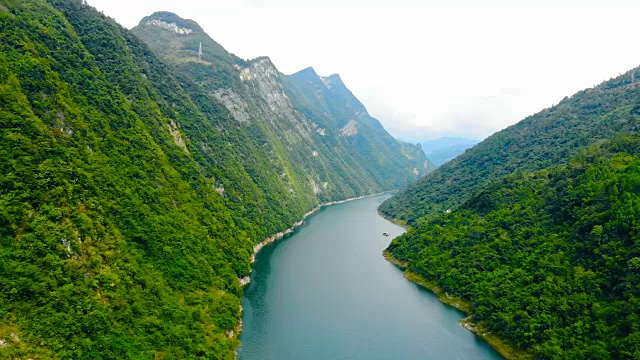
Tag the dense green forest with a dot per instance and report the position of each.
(545, 139)
(130, 196)
(550, 260)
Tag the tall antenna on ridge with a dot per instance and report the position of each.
(200, 52)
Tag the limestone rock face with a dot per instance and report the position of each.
(266, 79)
(170, 26)
(350, 129)
(234, 103)
(292, 116)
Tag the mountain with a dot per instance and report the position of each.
(545, 139)
(443, 149)
(330, 105)
(534, 232)
(548, 261)
(309, 114)
(133, 189)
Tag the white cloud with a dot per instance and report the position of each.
(426, 68)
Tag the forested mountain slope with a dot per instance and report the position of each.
(131, 199)
(320, 124)
(545, 139)
(550, 260)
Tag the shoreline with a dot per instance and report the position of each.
(395, 221)
(505, 349)
(277, 236)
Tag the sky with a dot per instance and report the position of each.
(426, 69)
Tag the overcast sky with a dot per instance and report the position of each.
(426, 68)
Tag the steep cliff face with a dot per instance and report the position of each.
(342, 152)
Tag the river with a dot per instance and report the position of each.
(326, 292)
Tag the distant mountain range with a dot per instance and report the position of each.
(443, 149)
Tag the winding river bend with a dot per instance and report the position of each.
(326, 292)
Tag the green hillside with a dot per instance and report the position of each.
(550, 261)
(131, 196)
(545, 139)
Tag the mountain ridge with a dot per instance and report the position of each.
(286, 101)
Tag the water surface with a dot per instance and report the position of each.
(326, 292)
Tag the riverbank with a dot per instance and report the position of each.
(395, 221)
(504, 348)
(271, 239)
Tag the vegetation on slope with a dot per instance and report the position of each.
(130, 199)
(130, 196)
(545, 139)
(550, 261)
(114, 242)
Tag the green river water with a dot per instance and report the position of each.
(326, 292)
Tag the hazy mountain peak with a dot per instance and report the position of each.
(170, 21)
(309, 74)
(333, 81)
(262, 60)
(335, 77)
(175, 37)
(306, 73)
